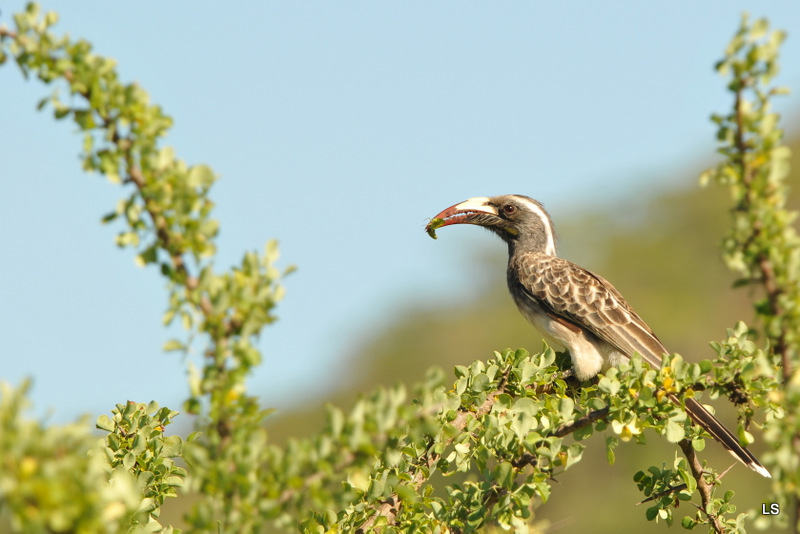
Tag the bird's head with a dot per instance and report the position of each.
(520, 221)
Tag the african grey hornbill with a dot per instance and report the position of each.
(573, 309)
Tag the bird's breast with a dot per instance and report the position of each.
(586, 351)
(537, 316)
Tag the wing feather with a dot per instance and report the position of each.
(588, 300)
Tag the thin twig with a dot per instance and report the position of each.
(703, 486)
(674, 489)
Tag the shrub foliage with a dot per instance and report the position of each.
(511, 424)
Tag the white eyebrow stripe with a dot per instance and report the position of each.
(550, 248)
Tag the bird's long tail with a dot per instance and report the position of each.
(712, 425)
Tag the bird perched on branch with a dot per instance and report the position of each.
(574, 309)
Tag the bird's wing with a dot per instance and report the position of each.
(589, 301)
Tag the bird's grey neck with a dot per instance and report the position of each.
(516, 246)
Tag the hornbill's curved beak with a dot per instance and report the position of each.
(476, 210)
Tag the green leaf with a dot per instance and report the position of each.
(165, 157)
(522, 423)
(611, 443)
(128, 460)
(172, 447)
(529, 370)
(152, 407)
(461, 385)
(504, 474)
(200, 176)
(480, 383)
(608, 385)
(108, 217)
(104, 422)
(525, 405)
(651, 513)
(674, 432)
(172, 344)
(565, 407)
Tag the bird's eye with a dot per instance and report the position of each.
(508, 209)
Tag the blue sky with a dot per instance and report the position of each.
(338, 128)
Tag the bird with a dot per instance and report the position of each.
(574, 309)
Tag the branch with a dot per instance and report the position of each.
(703, 486)
(771, 286)
(581, 422)
(679, 487)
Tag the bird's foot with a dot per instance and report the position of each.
(566, 374)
